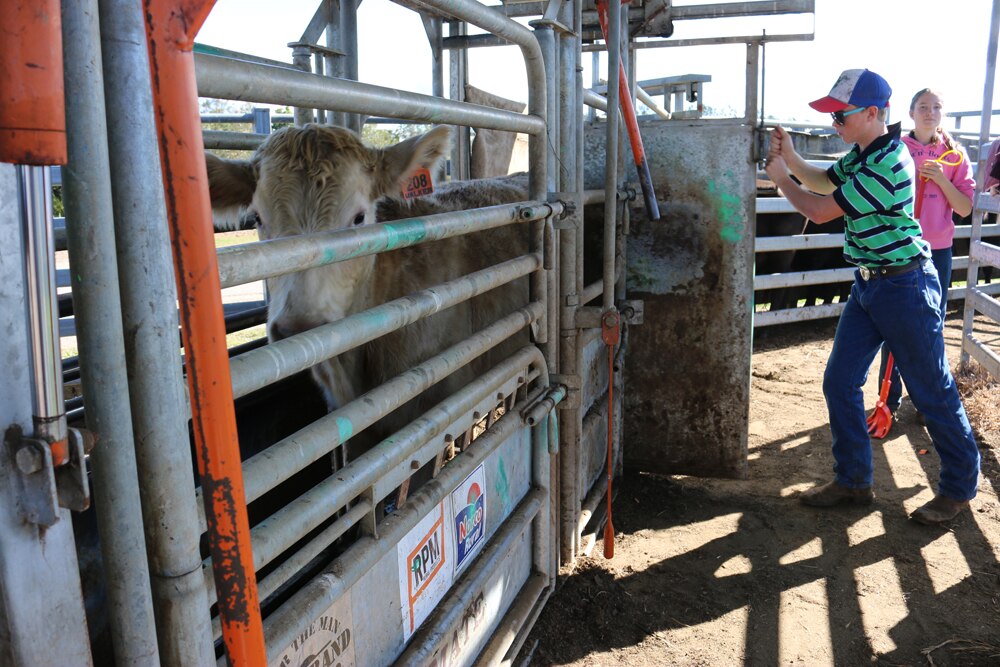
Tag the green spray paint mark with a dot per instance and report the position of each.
(502, 487)
(411, 232)
(728, 210)
(345, 429)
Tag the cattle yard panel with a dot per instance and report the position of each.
(312, 600)
(981, 252)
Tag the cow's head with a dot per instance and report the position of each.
(312, 179)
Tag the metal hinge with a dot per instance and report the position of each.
(44, 488)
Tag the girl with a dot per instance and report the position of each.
(946, 189)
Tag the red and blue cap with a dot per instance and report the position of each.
(857, 87)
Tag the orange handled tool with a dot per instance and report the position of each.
(610, 334)
(880, 420)
(632, 125)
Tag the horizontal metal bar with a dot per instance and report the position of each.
(978, 350)
(734, 9)
(284, 358)
(785, 316)
(592, 99)
(249, 82)
(513, 629)
(250, 262)
(798, 242)
(205, 49)
(294, 564)
(816, 241)
(707, 41)
(293, 521)
(234, 141)
(985, 253)
(286, 457)
(800, 278)
(985, 304)
(988, 203)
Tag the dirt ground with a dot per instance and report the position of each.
(723, 572)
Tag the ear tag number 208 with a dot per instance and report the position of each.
(420, 184)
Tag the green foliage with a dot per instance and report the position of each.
(58, 210)
(387, 135)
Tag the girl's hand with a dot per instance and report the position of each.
(933, 171)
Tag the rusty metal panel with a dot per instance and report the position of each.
(688, 366)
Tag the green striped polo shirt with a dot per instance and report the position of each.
(875, 191)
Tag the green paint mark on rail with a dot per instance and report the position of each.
(345, 429)
(410, 232)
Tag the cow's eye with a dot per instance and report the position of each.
(359, 219)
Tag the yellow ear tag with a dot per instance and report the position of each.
(420, 184)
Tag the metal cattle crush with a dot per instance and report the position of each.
(223, 528)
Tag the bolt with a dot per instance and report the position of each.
(29, 459)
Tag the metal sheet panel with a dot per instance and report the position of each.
(688, 367)
(378, 613)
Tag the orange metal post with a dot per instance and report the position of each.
(32, 108)
(171, 27)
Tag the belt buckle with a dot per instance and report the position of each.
(865, 272)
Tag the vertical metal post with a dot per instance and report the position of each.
(336, 67)
(570, 272)
(434, 28)
(158, 404)
(171, 26)
(262, 120)
(349, 41)
(35, 190)
(302, 59)
(611, 152)
(753, 83)
(458, 71)
(97, 309)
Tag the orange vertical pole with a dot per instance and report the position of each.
(32, 106)
(171, 27)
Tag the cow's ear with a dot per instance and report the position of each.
(400, 161)
(231, 183)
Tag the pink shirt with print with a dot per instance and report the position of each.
(935, 214)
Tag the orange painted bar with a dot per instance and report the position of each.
(32, 101)
(171, 27)
(631, 123)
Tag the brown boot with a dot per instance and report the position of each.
(941, 509)
(831, 494)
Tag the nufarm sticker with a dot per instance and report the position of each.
(468, 502)
(326, 642)
(425, 569)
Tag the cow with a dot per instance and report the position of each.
(322, 178)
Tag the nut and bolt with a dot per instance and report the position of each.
(29, 459)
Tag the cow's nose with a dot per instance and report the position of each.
(286, 328)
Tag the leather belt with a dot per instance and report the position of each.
(871, 273)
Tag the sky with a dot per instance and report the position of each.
(914, 44)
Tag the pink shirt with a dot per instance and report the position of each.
(935, 215)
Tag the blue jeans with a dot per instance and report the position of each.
(904, 311)
(942, 262)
